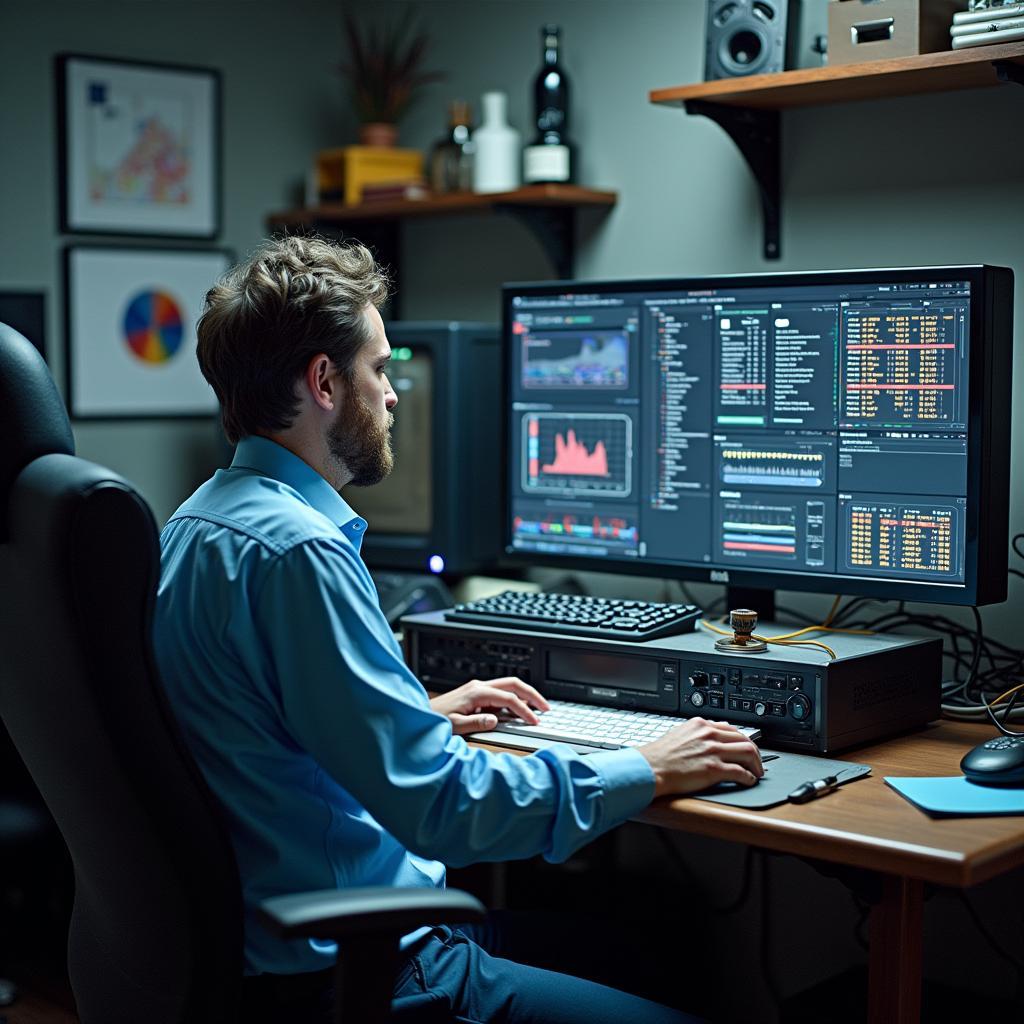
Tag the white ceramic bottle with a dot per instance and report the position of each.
(496, 161)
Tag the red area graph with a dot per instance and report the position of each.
(573, 459)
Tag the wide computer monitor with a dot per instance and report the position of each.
(842, 432)
(439, 509)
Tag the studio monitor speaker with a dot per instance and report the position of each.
(745, 37)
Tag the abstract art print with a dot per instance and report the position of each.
(139, 148)
(131, 331)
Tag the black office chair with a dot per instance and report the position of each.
(28, 843)
(156, 928)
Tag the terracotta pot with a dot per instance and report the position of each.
(378, 133)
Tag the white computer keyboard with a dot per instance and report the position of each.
(587, 726)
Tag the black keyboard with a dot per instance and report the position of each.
(599, 617)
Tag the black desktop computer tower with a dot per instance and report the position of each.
(439, 511)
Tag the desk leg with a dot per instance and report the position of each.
(894, 963)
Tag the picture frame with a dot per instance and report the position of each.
(130, 331)
(138, 147)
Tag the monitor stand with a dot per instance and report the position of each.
(757, 599)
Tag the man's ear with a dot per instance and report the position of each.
(323, 382)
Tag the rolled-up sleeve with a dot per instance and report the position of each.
(346, 696)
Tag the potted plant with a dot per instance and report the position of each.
(385, 68)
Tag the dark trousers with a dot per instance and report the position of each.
(513, 969)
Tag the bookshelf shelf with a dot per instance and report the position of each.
(749, 109)
(549, 196)
(970, 68)
(548, 211)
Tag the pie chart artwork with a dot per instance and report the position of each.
(153, 328)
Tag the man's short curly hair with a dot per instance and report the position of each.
(266, 318)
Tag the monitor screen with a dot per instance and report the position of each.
(403, 502)
(439, 510)
(834, 431)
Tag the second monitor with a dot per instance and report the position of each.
(438, 511)
(841, 432)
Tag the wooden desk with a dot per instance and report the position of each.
(865, 824)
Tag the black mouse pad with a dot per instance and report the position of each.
(782, 774)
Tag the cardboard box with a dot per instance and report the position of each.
(342, 173)
(860, 30)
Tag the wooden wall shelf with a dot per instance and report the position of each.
(748, 109)
(561, 196)
(877, 79)
(548, 211)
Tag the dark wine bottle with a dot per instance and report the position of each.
(550, 157)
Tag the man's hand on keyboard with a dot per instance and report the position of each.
(473, 707)
(698, 754)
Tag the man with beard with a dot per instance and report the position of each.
(333, 766)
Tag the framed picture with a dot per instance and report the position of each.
(139, 148)
(131, 331)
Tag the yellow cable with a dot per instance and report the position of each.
(784, 640)
(714, 629)
(800, 643)
(824, 627)
(1009, 693)
(832, 610)
(787, 638)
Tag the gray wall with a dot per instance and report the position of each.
(908, 181)
(898, 182)
(904, 181)
(282, 100)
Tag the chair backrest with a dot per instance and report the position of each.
(155, 933)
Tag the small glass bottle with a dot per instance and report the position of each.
(451, 160)
(551, 157)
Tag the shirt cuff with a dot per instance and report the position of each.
(628, 783)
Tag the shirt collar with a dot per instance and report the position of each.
(268, 458)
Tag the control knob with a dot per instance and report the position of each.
(697, 698)
(800, 707)
(760, 708)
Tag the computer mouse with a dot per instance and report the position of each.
(997, 762)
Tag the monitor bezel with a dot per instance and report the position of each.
(990, 363)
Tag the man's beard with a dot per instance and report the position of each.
(362, 442)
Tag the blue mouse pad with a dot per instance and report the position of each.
(956, 797)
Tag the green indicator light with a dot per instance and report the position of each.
(401, 355)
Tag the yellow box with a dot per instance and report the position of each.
(342, 173)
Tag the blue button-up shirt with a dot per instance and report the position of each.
(321, 745)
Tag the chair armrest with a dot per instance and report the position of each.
(339, 914)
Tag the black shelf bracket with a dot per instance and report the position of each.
(554, 227)
(1008, 71)
(756, 133)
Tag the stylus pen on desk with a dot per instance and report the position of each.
(810, 790)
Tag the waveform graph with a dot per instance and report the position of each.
(742, 466)
(581, 454)
(577, 360)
